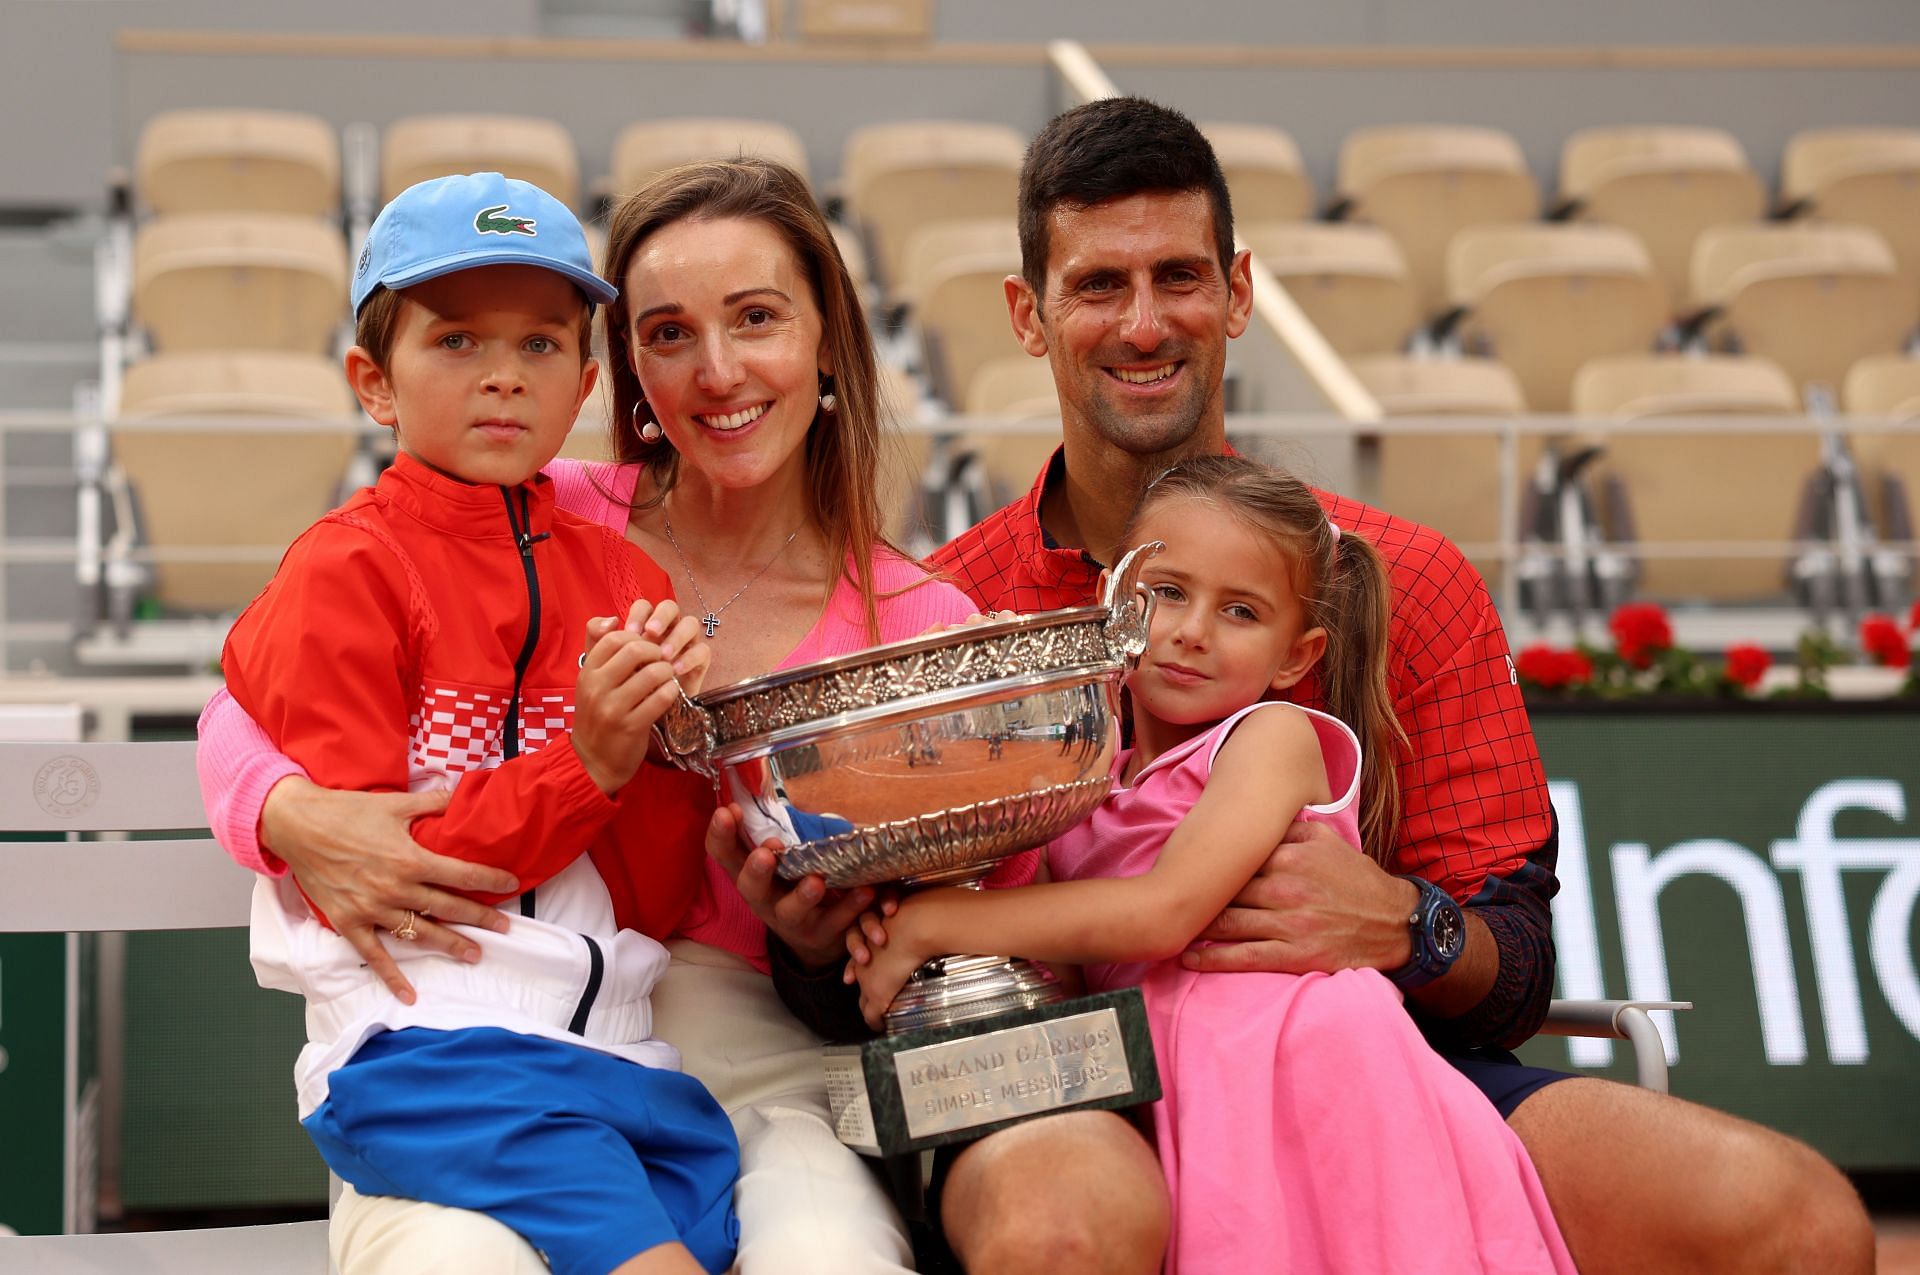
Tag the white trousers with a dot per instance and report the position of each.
(806, 1203)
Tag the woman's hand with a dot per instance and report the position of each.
(809, 917)
(353, 856)
(978, 617)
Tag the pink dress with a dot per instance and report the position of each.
(1306, 1125)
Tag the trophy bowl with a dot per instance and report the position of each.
(929, 760)
(926, 762)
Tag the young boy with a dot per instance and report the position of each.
(428, 634)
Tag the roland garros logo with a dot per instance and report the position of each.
(66, 786)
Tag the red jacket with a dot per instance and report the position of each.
(386, 654)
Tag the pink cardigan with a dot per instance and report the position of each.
(239, 765)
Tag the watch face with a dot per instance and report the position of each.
(1448, 932)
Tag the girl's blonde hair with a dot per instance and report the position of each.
(1344, 588)
(842, 448)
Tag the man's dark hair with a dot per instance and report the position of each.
(1109, 149)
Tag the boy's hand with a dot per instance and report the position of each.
(678, 637)
(624, 686)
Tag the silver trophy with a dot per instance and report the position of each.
(927, 762)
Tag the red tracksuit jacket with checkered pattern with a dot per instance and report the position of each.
(426, 632)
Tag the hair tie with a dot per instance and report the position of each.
(1334, 527)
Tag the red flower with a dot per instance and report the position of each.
(1882, 639)
(1552, 669)
(1640, 632)
(1747, 664)
(1913, 618)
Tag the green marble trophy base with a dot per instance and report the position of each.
(926, 1088)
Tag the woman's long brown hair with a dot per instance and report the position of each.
(1344, 586)
(842, 449)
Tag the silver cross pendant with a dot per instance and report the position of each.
(712, 622)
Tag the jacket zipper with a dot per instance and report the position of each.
(522, 524)
(521, 521)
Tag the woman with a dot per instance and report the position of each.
(746, 423)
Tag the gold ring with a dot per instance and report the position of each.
(405, 931)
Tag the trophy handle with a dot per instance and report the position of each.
(1129, 604)
(685, 734)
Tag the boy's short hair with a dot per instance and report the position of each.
(1110, 149)
(447, 224)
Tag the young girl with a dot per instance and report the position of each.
(1306, 1125)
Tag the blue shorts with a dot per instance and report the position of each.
(594, 1159)
(1501, 1076)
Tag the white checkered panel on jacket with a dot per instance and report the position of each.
(458, 728)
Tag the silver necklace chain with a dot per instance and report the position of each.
(710, 618)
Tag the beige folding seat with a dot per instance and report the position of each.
(1681, 486)
(650, 147)
(854, 254)
(1546, 298)
(1886, 385)
(1664, 183)
(240, 281)
(953, 275)
(903, 456)
(879, 20)
(1019, 387)
(238, 161)
(1265, 178)
(1349, 278)
(206, 488)
(900, 177)
(533, 150)
(1868, 176)
(1813, 298)
(1423, 182)
(1450, 482)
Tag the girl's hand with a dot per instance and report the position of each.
(353, 855)
(625, 684)
(870, 931)
(881, 977)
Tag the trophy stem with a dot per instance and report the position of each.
(959, 989)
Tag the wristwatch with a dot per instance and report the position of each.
(1439, 932)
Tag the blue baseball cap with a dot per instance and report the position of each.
(476, 219)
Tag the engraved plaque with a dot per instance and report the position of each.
(912, 1091)
(1013, 1072)
(847, 1096)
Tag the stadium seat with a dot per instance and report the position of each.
(290, 478)
(1546, 298)
(1665, 184)
(953, 276)
(886, 20)
(238, 161)
(1265, 178)
(1813, 298)
(532, 150)
(1450, 482)
(240, 281)
(1350, 279)
(1673, 487)
(1869, 176)
(1422, 183)
(644, 150)
(854, 254)
(902, 176)
(1017, 385)
(1889, 464)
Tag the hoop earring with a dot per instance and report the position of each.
(828, 402)
(649, 429)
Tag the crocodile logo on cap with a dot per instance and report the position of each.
(491, 221)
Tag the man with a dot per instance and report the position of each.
(1131, 289)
